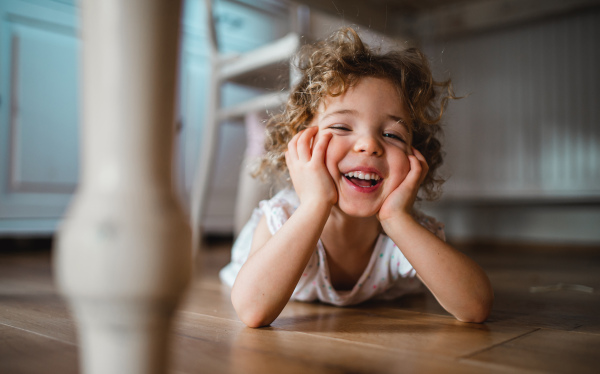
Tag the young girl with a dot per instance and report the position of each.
(358, 139)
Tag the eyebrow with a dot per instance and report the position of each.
(402, 122)
(398, 119)
(341, 111)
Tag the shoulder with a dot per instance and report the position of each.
(279, 208)
(266, 219)
(286, 197)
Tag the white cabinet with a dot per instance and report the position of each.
(39, 107)
(38, 114)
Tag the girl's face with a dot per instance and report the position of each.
(367, 155)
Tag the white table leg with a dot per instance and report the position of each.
(123, 255)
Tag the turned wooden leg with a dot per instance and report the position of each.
(123, 254)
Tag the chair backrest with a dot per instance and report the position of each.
(212, 30)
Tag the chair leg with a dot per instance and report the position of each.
(210, 138)
(250, 190)
(123, 254)
(249, 193)
(206, 162)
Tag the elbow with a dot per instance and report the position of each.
(477, 312)
(253, 319)
(478, 309)
(250, 312)
(473, 317)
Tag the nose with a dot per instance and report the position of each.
(367, 144)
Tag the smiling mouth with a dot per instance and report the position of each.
(361, 179)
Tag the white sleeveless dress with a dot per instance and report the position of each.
(388, 275)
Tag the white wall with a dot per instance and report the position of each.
(523, 149)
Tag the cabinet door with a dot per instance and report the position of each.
(38, 114)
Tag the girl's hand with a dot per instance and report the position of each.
(308, 171)
(401, 200)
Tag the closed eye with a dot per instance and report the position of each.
(339, 127)
(394, 136)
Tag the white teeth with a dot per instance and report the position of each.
(361, 175)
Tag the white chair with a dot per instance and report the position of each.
(239, 68)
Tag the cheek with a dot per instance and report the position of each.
(404, 167)
(400, 168)
(333, 155)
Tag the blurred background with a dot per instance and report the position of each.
(523, 146)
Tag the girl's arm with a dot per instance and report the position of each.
(456, 281)
(267, 280)
(276, 262)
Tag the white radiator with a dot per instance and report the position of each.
(530, 128)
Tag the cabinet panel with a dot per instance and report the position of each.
(44, 110)
(38, 114)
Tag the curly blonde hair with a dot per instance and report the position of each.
(330, 67)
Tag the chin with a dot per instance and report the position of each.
(357, 211)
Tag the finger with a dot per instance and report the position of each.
(304, 143)
(320, 148)
(287, 158)
(414, 175)
(423, 162)
(292, 150)
(291, 162)
(419, 156)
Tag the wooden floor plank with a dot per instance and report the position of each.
(550, 351)
(26, 274)
(23, 352)
(528, 332)
(407, 331)
(561, 309)
(45, 316)
(239, 349)
(375, 323)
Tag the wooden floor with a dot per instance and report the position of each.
(547, 330)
